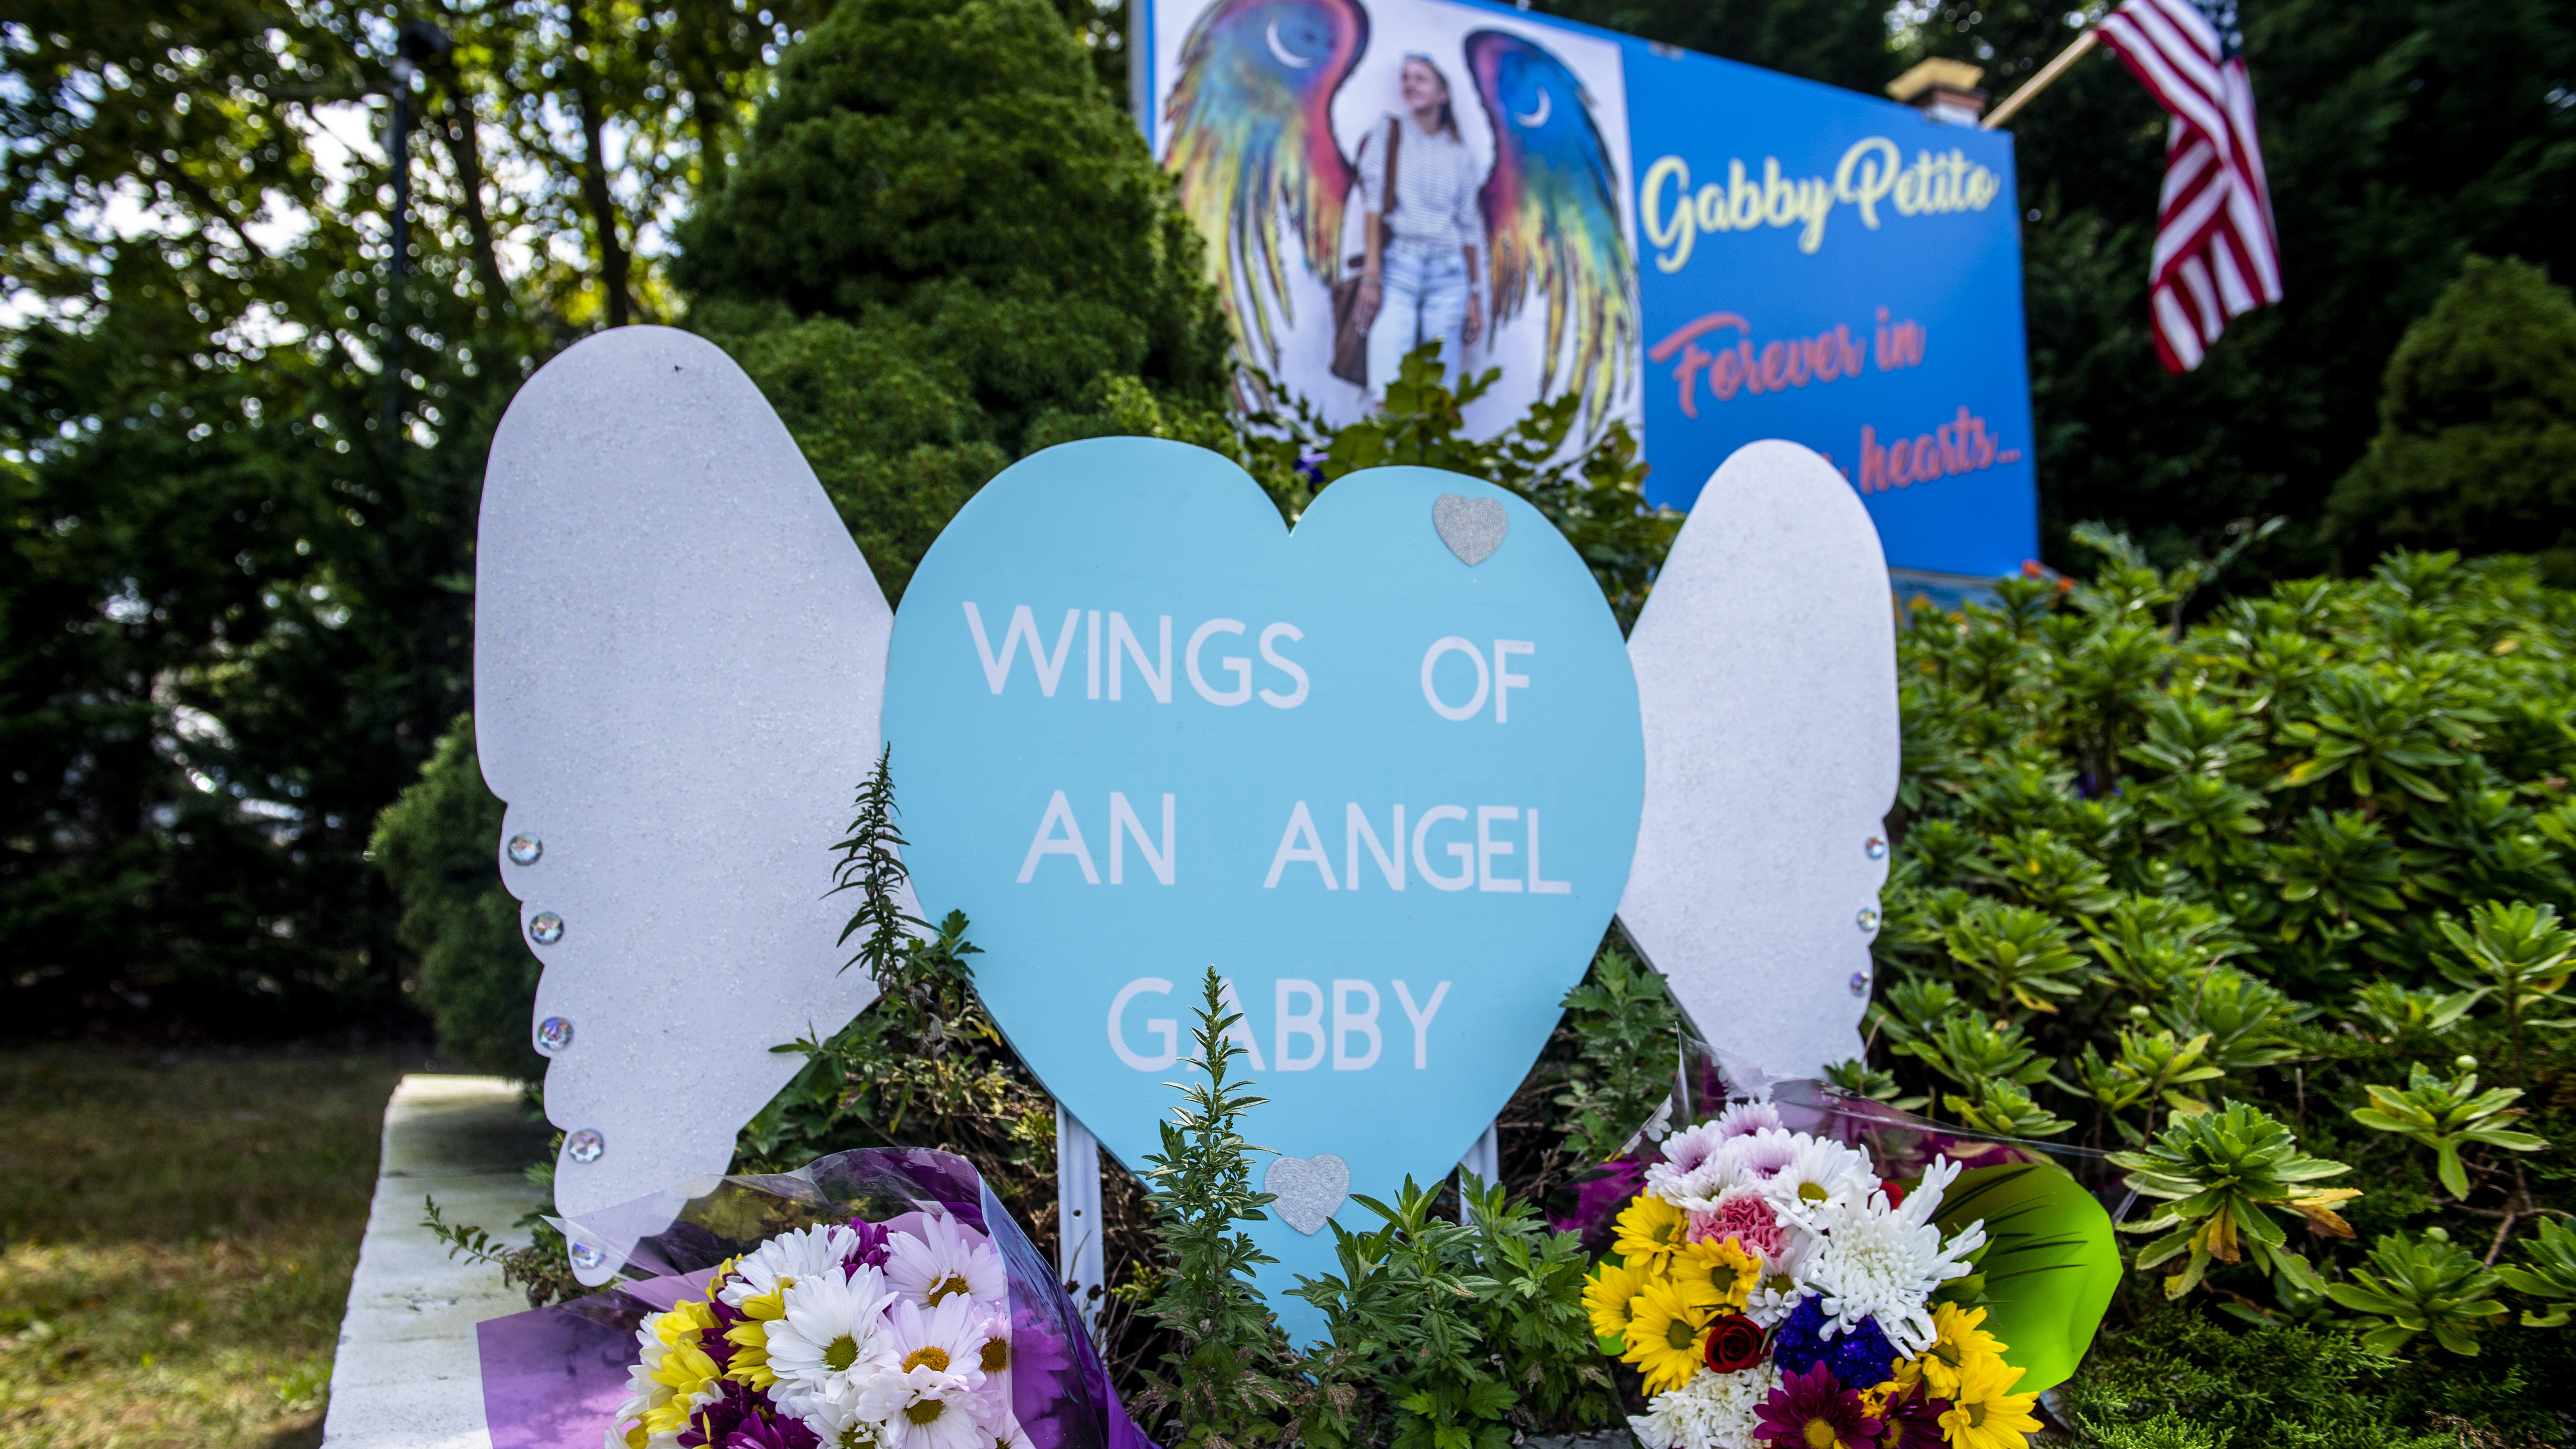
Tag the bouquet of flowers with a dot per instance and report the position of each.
(880, 1298)
(1775, 1290)
(837, 1335)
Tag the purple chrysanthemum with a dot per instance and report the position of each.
(1860, 1355)
(1912, 1422)
(772, 1431)
(714, 1342)
(872, 1245)
(1813, 1411)
(715, 1422)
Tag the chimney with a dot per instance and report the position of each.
(1945, 90)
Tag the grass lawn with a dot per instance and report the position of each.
(176, 1237)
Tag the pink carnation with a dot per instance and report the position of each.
(1745, 1217)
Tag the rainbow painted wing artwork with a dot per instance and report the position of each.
(1252, 135)
(1552, 217)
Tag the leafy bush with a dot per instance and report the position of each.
(2202, 895)
(2477, 428)
(1616, 1060)
(1592, 492)
(2223, 1175)
(943, 246)
(439, 845)
(1448, 1333)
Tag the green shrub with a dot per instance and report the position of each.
(438, 845)
(943, 246)
(1621, 1027)
(1454, 1335)
(2203, 893)
(2477, 428)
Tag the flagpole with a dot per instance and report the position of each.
(2047, 73)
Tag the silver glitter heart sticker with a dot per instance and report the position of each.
(1472, 527)
(1309, 1189)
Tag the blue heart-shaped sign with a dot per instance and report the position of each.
(1384, 773)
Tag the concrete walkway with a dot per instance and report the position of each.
(406, 1375)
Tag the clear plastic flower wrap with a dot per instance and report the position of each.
(879, 1297)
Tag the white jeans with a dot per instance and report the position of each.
(1426, 301)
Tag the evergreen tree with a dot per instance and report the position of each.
(942, 240)
(2477, 429)
(476, 979)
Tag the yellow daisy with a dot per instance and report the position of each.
(1667, 1337)
(1717, 1274)
(1960, 1342)
(1985, 1413)
(1650, 1231)
(685, 1367)
(1607, 1294)
(750, 1338)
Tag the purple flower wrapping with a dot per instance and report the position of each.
(553, 1378)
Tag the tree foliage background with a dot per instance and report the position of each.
(235, 594)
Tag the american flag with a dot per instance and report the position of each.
(2217, 254)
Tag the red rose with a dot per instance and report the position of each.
(1735, 1343)
(1895, 1194)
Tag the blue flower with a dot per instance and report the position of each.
(1860, 1356)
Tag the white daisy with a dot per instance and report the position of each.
(1883, 1263)
(784, 1259)
(929, 1388)
(840, 1423)
(831, 1330)
(1712, 1411)
(949, 1258)
(1821, 1174)
(993, 1332)
(1742, 1119)
(643, 1392)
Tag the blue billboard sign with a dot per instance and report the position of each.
(1707, 252)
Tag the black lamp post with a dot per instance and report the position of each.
(417, 44)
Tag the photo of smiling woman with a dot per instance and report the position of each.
(1419, 281)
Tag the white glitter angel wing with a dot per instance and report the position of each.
(679, 658)
(1766, 674)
